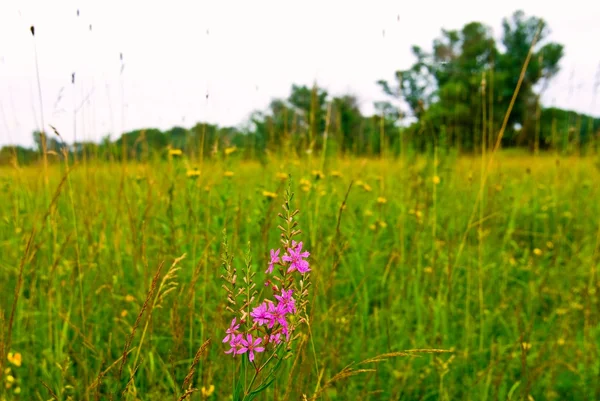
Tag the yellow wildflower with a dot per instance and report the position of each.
(175, 152)
(17, 390)
(576, 305)
(193, 173)
(318, 174)
(367, 187)
(550, 245)
(368, 213)
(270, 195)
(10, 379)
(381, 199)
(428, 270)
(436, 179)
(228, 174)
(537, 252)
(16, 358)
(282, 176)
(129, 298)
(230, 150)
(208, 392)
(124, 313)
(305, 182)
(306, 188)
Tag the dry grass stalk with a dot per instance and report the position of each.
(139, 317)
(188, 378)
(350, 371)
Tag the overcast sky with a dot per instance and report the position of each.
(241, 53)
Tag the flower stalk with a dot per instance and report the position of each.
(261, 333)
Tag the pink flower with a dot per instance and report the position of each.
(287, 333)
(231, 331)
(260, 314)
(274, 259)
(276, 314)
(286, 301)
(275, 338)
(296, 258)
(234, 343)
(250, 346)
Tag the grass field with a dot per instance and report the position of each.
(506, 282)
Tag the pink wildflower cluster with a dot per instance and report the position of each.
(294, 256)
(270, 318)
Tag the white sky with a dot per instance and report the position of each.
(242, 53)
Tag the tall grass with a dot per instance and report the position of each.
(518, 310)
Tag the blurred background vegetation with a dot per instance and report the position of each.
(455, 95)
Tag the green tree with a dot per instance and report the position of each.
(463, 87)
(518, 35)
(414, 85)
(310, 105)
(347, 124)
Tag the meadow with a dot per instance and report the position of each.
(496, 268)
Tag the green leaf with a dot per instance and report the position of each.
(238, 391)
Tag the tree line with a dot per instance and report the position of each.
(454, 96)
